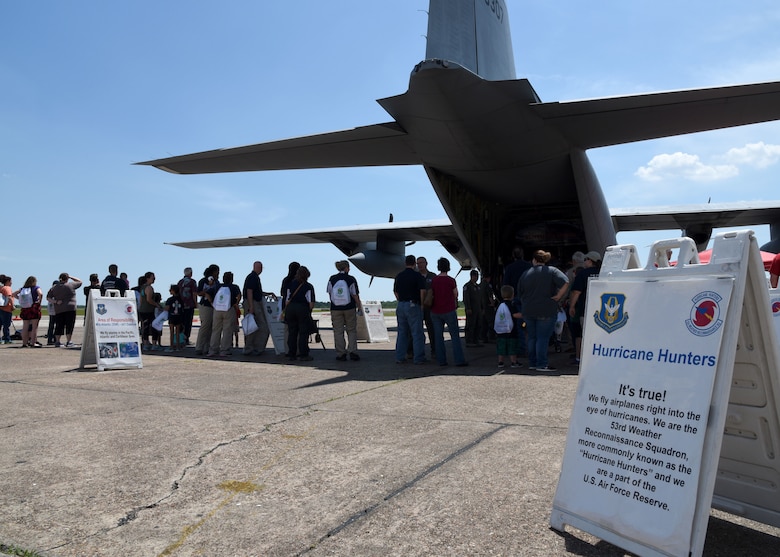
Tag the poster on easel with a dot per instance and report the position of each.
(371, 325)
(659, 351)
(276, 327)
(111, 337)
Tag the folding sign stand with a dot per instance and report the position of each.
(111, 339)
(677, 403)
(371, 325)
(273, 313)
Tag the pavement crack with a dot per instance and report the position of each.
(133, 514)
(401, 489)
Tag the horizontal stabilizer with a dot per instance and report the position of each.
(617, 120)
(377, 145)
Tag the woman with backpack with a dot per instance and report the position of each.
(30, 297)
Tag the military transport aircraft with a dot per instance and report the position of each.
(508, 168)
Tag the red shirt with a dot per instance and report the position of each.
(444, 289)
(774, 269)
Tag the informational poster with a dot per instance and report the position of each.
(273, 314)
(634, 448)
(678, 405)
(111, 338)
(371, 326)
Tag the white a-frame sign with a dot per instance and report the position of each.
(111, 339)
(677, 403)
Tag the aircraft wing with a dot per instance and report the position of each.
(346, 239)
(377, 145)
(714, 215)
(616, 120)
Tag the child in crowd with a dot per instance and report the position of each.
(173, 306)
(157, 335)
(504, 326)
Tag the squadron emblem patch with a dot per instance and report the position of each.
(612, 315)
(101, 309)
(705, 314)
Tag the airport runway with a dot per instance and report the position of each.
(260, 457)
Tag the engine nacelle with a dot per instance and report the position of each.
(378, 263)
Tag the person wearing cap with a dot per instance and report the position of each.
(579, 289)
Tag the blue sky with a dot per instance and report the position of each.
(89, 87)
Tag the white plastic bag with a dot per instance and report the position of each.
(249, 324)
(160, 320)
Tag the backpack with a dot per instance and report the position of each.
(26, 297)
(222, 301)
(185, 292)
(504, 322)
(339, 293)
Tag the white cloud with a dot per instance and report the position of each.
(758, 155)
(685, 166)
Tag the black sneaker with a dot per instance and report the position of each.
(342, 358)
(354, 357)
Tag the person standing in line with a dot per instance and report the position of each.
(575, 329)
(94, 284)
(254, 304)
(422, 268)
(541, 290)
(146, 311)
(30, 297)
(445, 312)
(409, 289)
(504, 327)
(579, 289)
(300, 302)
(6, 309)
(188, 294)
(113, 282)
(52, 311)
(64, 295)
(488, 303)
(225, 304)
(292, 270)
(174, 307)
(207, 287)
(345, 307)
(472, 302)
(512, 274)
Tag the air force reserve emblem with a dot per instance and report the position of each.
(612, 314)
(101, 309)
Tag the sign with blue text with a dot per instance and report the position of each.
(658, 354)
(111, 337)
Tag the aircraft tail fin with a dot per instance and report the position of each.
(473, 34)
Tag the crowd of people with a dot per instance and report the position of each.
(535, 305)
(522, 315)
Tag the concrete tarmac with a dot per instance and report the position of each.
(259, 456)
